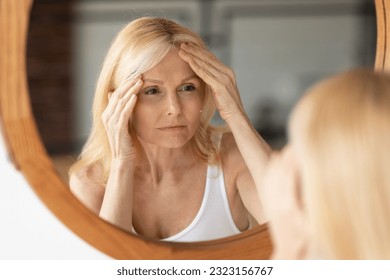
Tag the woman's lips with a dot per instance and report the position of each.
(172, 128)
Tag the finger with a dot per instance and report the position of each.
(201, 63)
(119, 92)
(220, 83)
(122, 103)
(204, 71)
(203, 54)
(116, 105)
(134, 90)
(208, 56)
(127, 111)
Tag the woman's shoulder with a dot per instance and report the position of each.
(90, 173)
(86, 184)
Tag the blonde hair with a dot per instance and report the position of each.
(138, 47)
(342, 131)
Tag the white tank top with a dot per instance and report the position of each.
(214, 219)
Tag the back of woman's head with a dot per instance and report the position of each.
(137, 48)
(341, 129)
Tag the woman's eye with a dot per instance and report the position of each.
(151, 91)
(187, 88)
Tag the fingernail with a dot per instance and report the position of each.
(138, 82)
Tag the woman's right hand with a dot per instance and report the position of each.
(218, 76)
(116, 118)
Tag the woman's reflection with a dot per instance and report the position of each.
(153, 163)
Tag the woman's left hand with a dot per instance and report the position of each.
(219, 77)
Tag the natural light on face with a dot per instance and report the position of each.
(168, 109)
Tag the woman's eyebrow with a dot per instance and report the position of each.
(159, 82)
(154, 81)
(190, 78)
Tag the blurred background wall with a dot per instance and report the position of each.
(278, 48)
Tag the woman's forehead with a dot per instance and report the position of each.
(171, 60)
(170, 66)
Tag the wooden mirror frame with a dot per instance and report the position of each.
(28, 155)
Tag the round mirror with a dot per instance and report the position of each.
(32, 158)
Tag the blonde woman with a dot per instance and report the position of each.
(153, 164)
(327, 194)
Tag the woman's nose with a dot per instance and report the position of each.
(173, 104)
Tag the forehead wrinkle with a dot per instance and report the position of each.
(160, 82)
(154, 81)
(194, 76)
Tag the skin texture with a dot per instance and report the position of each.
(251, 147)
(156, 183)
(167, 115)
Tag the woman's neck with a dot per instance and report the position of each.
(158, 161)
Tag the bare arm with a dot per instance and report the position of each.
(117, 203)
(243, 181)
(253, 148)
(113, 201)
(249, 196)
(222, 81)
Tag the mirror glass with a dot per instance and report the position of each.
(277, 50)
